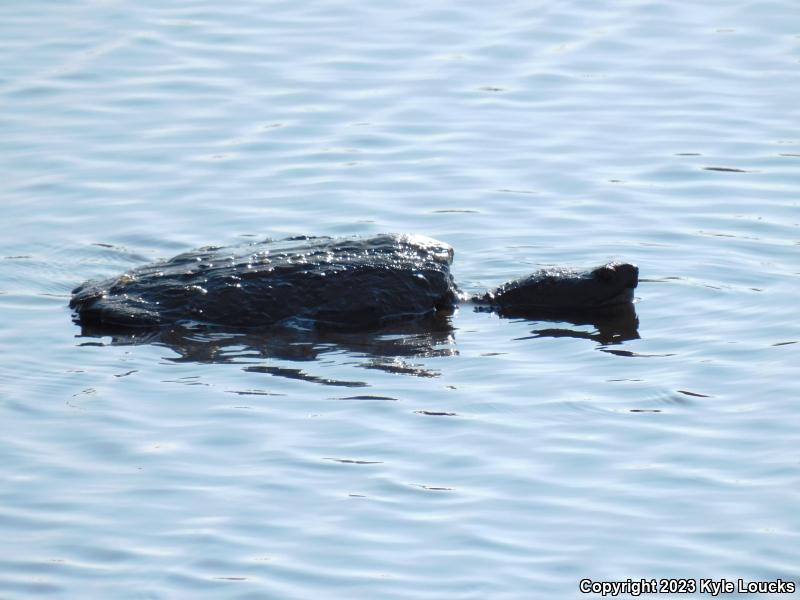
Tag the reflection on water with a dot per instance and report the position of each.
(612, 326)
(385, 348)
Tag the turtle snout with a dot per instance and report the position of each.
(630, 273)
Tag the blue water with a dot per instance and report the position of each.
(502, 458)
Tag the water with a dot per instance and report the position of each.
(496, 459)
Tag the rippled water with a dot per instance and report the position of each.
(495, 458)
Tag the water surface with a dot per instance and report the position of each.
(490, 458)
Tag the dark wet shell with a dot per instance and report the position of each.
(319, 281)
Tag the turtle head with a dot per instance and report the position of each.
(559, 290)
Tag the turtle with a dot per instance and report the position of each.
(332, 282)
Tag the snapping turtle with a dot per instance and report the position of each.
(352, 283)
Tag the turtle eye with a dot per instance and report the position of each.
(604, 273)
